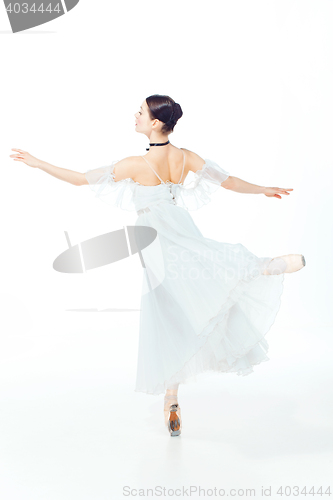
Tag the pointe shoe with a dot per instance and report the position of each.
(169, 399)
(172, 414)
(285, 264)
(175, 422)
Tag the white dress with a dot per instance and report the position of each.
(206, 306)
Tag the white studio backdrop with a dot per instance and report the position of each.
(254, 79)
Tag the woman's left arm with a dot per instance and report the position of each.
(240, 186)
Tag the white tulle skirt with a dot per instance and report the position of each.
(205, 306)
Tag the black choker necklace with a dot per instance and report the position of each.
(157, 144)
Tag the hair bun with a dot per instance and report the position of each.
(165, 109)
(175, 114)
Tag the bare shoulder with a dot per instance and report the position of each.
(126, 168)
(193, 160)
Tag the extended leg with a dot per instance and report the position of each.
(285, 264)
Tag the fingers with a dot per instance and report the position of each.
(19, 156)
(284, 191)
(277, 192)
(16, 156)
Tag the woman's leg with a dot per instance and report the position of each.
(285, 264)
(171, 395)
(170, 398)
(173, 387)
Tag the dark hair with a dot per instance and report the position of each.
(164, 109)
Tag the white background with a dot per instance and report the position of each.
(254, 79)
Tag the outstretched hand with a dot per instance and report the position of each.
(24, 156)
(276, 192)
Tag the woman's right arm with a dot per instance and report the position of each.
(235, 183)
(75, 178)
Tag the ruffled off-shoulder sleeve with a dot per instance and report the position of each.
(205, 182)
(116, 193)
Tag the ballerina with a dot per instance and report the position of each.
(206, 305)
